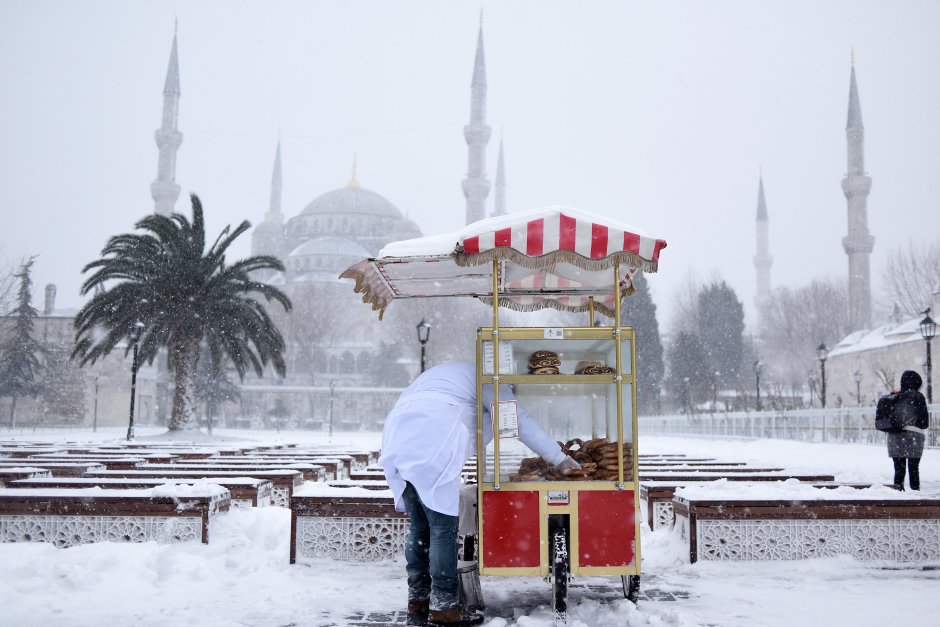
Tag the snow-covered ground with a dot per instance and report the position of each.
(243, 577)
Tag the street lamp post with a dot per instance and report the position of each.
(136, 330)
(332, 388)
(757, 369)
(715, 400)
(821, 354)
(858, 387)
(928, 329)
(424, 333)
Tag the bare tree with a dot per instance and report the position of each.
(911, 275)
(796, 321)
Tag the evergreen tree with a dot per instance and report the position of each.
(184, 295)
(721, 329)
(20, 368)
(689, 374)
(639, 312)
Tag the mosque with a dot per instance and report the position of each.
(349, 371)
(869, 361)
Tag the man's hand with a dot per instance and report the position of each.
(568, 464)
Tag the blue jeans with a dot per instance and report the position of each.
(430, 553)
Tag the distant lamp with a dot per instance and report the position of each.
(424, 334)
(822, 353)
(757, 368)
(858, 386)
(928, 329)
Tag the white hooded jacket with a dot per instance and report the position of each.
(431, 433)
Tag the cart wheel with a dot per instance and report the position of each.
(560, 577)
(631, 587)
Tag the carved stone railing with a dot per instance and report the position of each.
(69, 517)
(899, 529)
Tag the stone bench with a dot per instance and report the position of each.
(686, 476)
(8, 475)
(367, 484)
(657, 495)
(798, 522)
(346, 523)
(334, 468)
(284, 481)
(245, 492)
(69, 517)
(310, 472)
(110, 462)
(58, 469)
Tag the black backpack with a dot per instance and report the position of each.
(886, 418)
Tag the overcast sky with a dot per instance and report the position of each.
(656, 114)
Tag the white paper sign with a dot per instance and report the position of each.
(508, 427)
(505, 358)
(554, 333)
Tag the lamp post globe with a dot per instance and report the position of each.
(424, 334)
(928, 329)
(822, 353)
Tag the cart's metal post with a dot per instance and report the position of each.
(618, 378)
(481, 460)
(590, 311)
(495, 416)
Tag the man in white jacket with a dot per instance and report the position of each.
(428, 436)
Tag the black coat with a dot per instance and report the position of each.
(911, 408)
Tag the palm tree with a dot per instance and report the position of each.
(184, 296)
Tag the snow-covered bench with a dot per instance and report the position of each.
(727, 521)
(284, 481)
(58, 469)
(23, 472)
(68, 517)
(310, 472)
(347, 523)
(110, 462)
(245, 491)
(657, 496)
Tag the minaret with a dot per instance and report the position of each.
(476, 187)
(499, 189)
(164, 189)
(268, 237)
(274, 214)
(762, 260)
(858, 244)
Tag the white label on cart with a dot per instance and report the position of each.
(505, 358)
(508, 420)
(558, 497)
(554, 333)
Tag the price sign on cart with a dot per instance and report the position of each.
(508, 427)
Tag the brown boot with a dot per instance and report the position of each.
(417, 612)
(457, 616)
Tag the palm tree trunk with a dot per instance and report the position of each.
(183, 416)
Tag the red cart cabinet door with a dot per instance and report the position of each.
(510, 529)
(606, 529)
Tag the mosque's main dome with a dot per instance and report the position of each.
(352, 199)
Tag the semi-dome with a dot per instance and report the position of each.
(352, 199)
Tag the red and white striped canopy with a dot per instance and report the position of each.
(555, 257)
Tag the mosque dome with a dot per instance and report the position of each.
(352, 200)
(330, 246)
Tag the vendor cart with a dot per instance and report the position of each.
(578, 382)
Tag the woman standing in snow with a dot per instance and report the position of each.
(906, 447)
